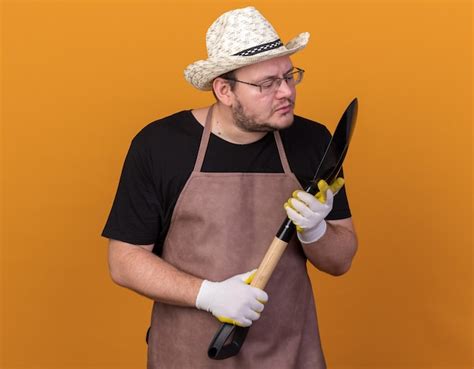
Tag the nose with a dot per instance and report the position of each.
(284, 90)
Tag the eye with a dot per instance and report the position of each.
(290, 77)
(267, 83)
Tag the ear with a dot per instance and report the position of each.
(222, 91)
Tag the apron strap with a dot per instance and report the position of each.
(205, 141)
(281, 151)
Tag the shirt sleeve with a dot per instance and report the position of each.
(136, 215)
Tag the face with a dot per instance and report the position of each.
(254, 111)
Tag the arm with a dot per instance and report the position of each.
(231, 301)
(137, 268)
(334, 251)
(329, 245)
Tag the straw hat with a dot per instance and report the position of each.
(238, 38)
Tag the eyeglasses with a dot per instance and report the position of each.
(271, 85)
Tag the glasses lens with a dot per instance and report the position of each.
(268, 84)
(293, 78)
(272, 85)
(297, 76)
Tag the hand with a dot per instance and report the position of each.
(232, 301)
(307, 212)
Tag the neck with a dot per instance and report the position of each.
(223, 125)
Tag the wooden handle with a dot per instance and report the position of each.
(269, 262)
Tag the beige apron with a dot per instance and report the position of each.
(222, 225)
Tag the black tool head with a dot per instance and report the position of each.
(332, 160)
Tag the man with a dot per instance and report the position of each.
(201, 196)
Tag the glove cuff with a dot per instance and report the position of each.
(204, 296)
(314, 234)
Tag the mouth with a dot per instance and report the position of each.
(285, 109)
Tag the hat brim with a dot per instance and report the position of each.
(201, 73)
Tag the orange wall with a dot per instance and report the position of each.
(80, 78)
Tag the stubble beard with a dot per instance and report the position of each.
(249, 124)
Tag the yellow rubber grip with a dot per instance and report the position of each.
(335, 186)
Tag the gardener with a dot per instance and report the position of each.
(201, 195)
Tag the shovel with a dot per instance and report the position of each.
(229, 338)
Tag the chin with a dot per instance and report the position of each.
(284, 121)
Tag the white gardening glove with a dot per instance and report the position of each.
(232, 301)
(307, 212)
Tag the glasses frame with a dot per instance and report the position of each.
(277, 80)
